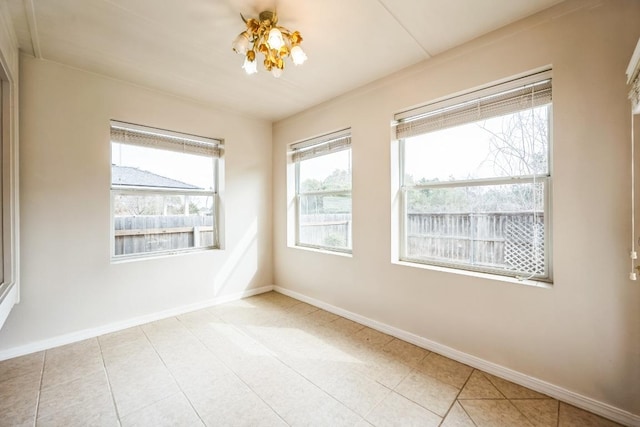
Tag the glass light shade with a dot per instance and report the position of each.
(298, 56)
(241, 44)
(276, 72)
(250, 67)
(275, 39)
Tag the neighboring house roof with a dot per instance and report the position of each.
(127, 175)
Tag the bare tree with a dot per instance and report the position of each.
(520, 148)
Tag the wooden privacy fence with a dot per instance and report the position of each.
(332, 230)
(153, 233)
(510, 241)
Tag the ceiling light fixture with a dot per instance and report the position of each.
(264, 36)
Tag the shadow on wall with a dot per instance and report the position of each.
(241, 266)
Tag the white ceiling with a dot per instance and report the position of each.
(184, 46)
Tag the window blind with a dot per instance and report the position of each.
(319, 146)
(633, 79)
(511, 100)
(634, 95)
(126, 133)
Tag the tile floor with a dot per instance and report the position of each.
(269, 360)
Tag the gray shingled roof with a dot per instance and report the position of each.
(127, 175)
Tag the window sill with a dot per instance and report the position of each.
(488, 276)
(171, 254)
(323, 251)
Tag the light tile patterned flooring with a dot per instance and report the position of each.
(269, 360)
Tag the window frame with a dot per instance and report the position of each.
(9, 189)
(217, 168)
(309, 144)
(541, 178)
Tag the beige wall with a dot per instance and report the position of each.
(68, 282)
(582, 335)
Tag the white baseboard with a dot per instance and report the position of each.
(562, 394)
(117, 326)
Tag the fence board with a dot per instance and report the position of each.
(153, 233)
(332, 230)
(479, 239)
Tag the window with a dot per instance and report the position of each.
(475, 180)
(9, 226)
(164, 191)
(323, 191)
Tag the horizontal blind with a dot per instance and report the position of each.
(633, 79)
(130, 134)
(482, 108)
(319, 146)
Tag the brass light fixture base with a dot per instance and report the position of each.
(268, 15)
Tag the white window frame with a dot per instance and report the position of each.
(169, 140)
(10, 233)
(402, 126)
(314, 147)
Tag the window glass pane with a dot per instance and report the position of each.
(151, 167)
(146, 222)
(477, 198)
(498, 227)
(3, 114)
(510, 145)
(163, 200)
(325, 221)
(331, 172)
(460, 206)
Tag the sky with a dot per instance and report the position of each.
(188, 168)
(466, 151)
(461, 152)
(321, 167)
(458, 152)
